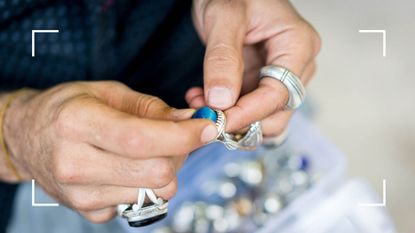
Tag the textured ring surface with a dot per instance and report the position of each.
(142, 214)
(296, 90)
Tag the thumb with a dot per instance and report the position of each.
(224, 23)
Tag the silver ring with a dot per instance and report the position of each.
(249, 141)
(220, 123)
(141, 214)
(296, 91)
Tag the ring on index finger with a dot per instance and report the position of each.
(248, 141)
(296, 90)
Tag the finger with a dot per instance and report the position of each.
(270, 96)
(309, 72)
(256, 105)
(223, 64)
(123, 134)
(125, 99)
(179, 161)
(86, 165)
(275, 124)
(100, 197)
(195, 97)
(294, 49)
(100, 216)
(254, 59)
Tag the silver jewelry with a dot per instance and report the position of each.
(293, 84)
(142, 214)
(220, 123)
(249, 141)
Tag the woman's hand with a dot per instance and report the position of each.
(241, 36)
(91, 145)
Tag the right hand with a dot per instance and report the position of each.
(91, 145)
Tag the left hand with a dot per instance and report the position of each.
(241, 36)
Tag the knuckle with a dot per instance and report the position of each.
(68, 114)
(164, 174)
(63, 123)
(313, 37)
(84, 201)
(316, 43)
(169, 191)
(102, 217)
(277, 130)
(274, 128)
(66, 171)
(97, 219)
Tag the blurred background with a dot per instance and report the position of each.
(366, 102)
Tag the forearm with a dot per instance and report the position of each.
(13, 121)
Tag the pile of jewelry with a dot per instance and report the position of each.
(245, 195)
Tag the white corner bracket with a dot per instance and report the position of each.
(383, 204)
(34, 36)
(40, 204)
(383, 38)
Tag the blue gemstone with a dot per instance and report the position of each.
(304, 163)
(205, 113)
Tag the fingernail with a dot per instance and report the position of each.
(182, 114)
(209, 133)
(220, 97)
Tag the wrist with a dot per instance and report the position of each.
(12, 167)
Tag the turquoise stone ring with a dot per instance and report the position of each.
(205, 113)
(217, 116)
(249, 141)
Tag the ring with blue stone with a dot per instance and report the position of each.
(249, 141)
(217, 116)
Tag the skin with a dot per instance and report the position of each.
(91, 148)
(241, 36)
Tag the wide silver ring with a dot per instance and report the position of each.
(249, 141)
(140, 213)
(296, 90)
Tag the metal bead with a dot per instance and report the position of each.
(227, 190)
(251, 173)
(272, 204)
(184, 218)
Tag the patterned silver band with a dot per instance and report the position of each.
(296, 91)
(249, 141)
(141, 212)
